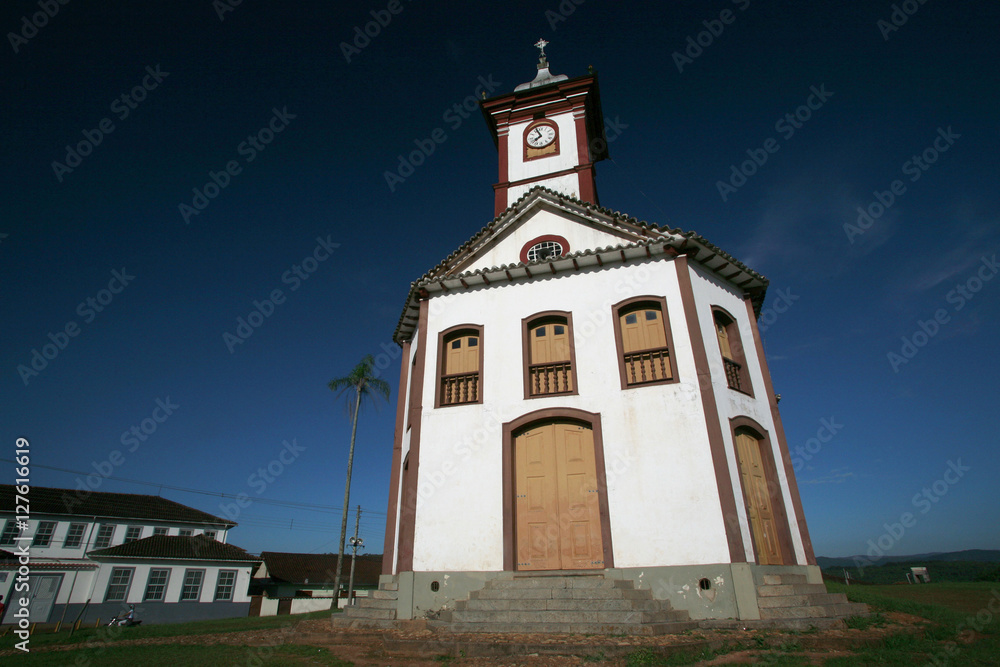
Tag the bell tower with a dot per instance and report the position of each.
(550, 132)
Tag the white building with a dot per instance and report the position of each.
(580, 390)
(91, 554)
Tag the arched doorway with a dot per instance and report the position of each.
(555, 515)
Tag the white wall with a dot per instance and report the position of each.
(662, 496)
(711, 291)
(539, 222)
(567, 158)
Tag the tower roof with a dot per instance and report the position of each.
(544, 77)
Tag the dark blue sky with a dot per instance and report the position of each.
(326, 132)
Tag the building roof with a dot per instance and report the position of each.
(315, 569)
(649, 240)
(172, 547)
(102, 505)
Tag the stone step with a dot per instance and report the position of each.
(562, 604)
(374, 603)
(384, 595)
(572, 628)
(790, 589)
(560, 593)
(629, 617)
(801, 600)
(355, 612)
(777, 579)
(815, 611)
(389, 586)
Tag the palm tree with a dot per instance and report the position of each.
(360, 383)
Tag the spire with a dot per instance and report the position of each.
(544, 77)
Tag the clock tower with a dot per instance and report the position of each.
(549, 132)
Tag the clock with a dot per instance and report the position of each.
(541, 139)
(541, 136)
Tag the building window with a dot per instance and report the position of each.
(160, 530)
(192, 585)
(74, 536)
(133, 533)
(118, 584)
(461, 359)
(43, 533)
(227, 582)
(185, 532)
(10, 533)
(731, 347)
(642, 335)
(104, 535)
(210, 534)
(545, 247)
(156, 586)
(549, 354)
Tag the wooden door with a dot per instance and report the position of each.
(557, 515)
(763, 526)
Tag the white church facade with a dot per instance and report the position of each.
(584, 392)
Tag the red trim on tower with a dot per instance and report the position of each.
(588, 184)
(500, 197)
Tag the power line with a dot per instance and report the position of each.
(312, 507)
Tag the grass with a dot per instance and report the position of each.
(964, 624)
(105, 635)
(171, 655)
(875, 620)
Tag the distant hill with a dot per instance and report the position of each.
(978, 555)
(970, 565)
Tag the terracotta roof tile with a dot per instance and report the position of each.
(197, 547)
(316, 569)
(648, 234)
(109, 505)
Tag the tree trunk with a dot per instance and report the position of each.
(347, 502)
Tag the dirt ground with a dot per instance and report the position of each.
(418, 646)
(426, 648)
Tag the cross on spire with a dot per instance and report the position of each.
(540, 45)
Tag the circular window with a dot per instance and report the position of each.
(544, 247)
(544, 250)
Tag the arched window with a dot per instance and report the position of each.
(731, 347)
(642, 334)
(460, 363)
(549, 354)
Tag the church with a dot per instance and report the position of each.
(584, 403)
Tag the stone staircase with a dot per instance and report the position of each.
(567, 602)
(788, 601)
(378, 610)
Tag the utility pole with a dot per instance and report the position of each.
(355, 543)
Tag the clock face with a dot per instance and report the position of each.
(541, 136)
